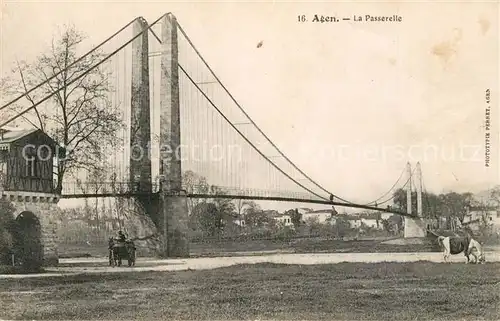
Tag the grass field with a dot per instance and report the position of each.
(345, 291)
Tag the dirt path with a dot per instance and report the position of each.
(99, 265)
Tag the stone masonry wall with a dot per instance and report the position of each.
(173, 207)
(43, 206)
(177, 221)
(140, 123)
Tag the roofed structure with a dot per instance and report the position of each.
(27, 160)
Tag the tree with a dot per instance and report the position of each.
(224, 205)
(194, 183)
(485, 208)
(117, 211)
(341, 226)
(211, 216)
(453, 206)
(485, 226)
(387, 226)
(207, 217)
(240, 205)
(96, 180)
(401, 201)
(295, 217)
(431, 205)
(393, 224)
(495, 196)
(204, 217)
(430, 202)
(255, 216)
(456, 205)
(87, 210)
(313, 225)
(79, 116)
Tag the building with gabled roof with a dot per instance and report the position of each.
(27, 161)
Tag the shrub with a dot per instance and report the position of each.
(284, 234)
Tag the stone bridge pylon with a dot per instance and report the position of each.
(416, 226)
(169, 210)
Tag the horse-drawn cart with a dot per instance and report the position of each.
(121, 250)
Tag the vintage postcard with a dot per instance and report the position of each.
(272, 160)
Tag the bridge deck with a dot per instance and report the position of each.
(129, 190)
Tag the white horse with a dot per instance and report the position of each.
(456, 245)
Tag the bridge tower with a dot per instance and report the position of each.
(419, 191)
(140, 121)
(140, 173)
(408, 189)
(173, 212)
(169, 212)
(414, 227)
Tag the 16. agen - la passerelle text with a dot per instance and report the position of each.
(355, 18)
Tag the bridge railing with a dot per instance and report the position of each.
(203, 190)
(107, 188)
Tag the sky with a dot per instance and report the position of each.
(349, 102)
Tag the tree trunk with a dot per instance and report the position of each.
(60, 177)
(97, 217)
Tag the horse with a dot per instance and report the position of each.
(456, 245)
(121, 250)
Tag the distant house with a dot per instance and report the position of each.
(322, 216)
(304, 210)
(354, 222)
(284, 219)
(372, 223)
(239, 222)
(371, 220)
(271, 213)
(386, 216)
(475, 216)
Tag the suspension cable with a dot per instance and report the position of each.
(253, 123)
(68, 67)
(426, 197)
(243, 136)
(384, 195)
(402, 187)
(387, 200)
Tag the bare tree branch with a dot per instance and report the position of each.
(28, 96)
(80, 116)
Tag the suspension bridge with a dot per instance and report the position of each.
(183, 136)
